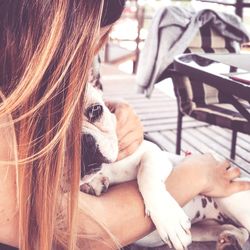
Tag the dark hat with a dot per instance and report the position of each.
(112, 10)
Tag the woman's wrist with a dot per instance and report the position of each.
(189, 177)
(204, 170)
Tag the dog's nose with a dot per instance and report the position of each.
(94, 112)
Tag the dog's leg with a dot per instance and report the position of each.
(117, 172)
(169, 218)
(237, 207)
(226, 236)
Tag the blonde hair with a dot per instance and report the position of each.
(46, 49)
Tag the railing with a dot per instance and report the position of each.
(238, 4)
(136, 12)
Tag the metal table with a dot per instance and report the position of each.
(216, 70)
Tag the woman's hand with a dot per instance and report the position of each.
(129, 127)
(222, 181)
(218, 177)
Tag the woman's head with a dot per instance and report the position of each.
(112, 10)
(46, 49)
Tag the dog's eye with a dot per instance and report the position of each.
(94, 112)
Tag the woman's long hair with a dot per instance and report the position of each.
(46, 49)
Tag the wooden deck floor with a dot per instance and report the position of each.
(159, 115)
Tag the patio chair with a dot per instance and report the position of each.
(202, 101)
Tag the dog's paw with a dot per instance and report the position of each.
(232, 241)
(227, 241)
(96, 185)
(172, 224)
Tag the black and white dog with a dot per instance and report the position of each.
(225, 220)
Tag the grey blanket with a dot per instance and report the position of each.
(172, 30)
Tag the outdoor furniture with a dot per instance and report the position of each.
(230, 108)
(214, 68)
(204, 102)
(183, 30)
(238, 4)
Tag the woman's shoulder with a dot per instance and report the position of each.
(8, 145)
(8, 176)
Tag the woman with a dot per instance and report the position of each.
(46, 50)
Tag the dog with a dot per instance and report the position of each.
(224, 220)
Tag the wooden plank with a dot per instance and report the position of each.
(164, 104)
(243, 139)
(161, 101)
(162, 115)
(129, 92)
(167, 126)
(186, 146)
(155, 99)
(155, 115)
(219, 138)
(217, 147)
(159, 137)
(172, 120)
(151, 109)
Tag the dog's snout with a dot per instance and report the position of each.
(94, 112)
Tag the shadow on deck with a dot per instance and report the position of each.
(159, 117)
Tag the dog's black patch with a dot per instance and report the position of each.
(215, 205)
(209, 199)
(227, 220)
(197, 215)
(92, 157)
(204, 202)
(204, 217)
(232, 247)
(223, 216)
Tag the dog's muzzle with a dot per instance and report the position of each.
(92, 157)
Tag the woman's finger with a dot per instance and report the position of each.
(226, 165)
(128, 123)
(232, 173)
(128, 127)
(129, 139)
(238, 186)
(128, 150)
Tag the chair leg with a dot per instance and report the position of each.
(178, 135)
(233, 144)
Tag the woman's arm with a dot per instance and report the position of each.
(120, 212)
(121, 209)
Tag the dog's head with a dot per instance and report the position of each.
(99, 139)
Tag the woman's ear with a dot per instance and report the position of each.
(104, 36)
